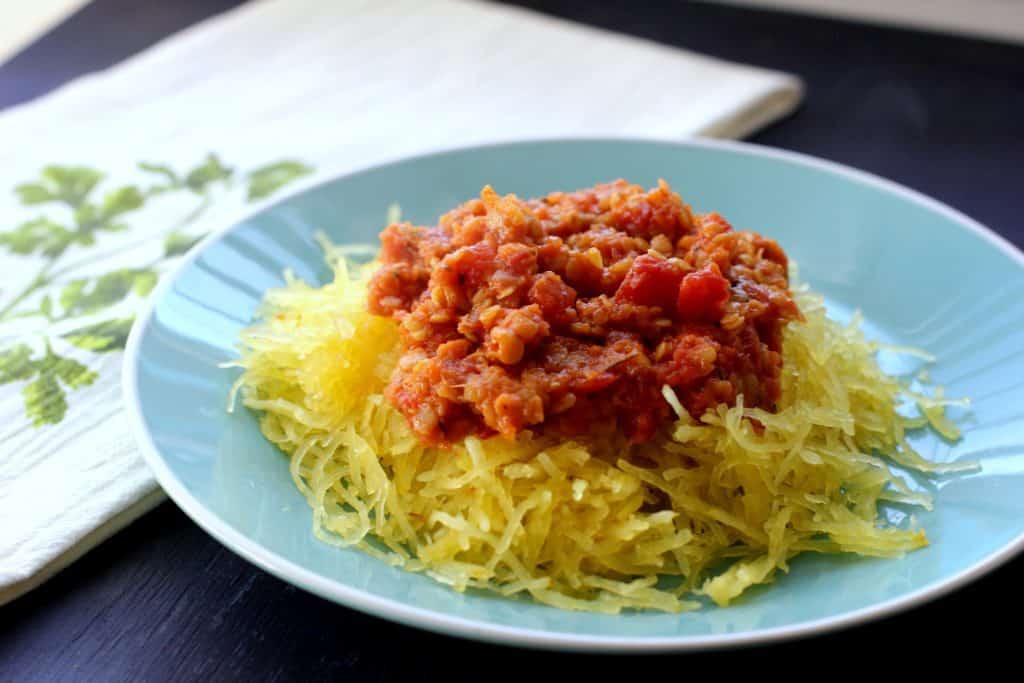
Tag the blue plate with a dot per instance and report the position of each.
(922, 274)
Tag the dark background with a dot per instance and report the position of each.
(162, 601)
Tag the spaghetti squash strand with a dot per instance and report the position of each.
(596, 523)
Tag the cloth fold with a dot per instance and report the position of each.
(117, 174)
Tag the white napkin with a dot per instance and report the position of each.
(25, 21)
(283, 93)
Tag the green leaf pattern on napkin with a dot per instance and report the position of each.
(81, 217)
(50, 374)
(267, 180)
(101, 337)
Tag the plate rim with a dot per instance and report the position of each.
(452, 625)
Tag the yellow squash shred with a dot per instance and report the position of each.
(705, 508)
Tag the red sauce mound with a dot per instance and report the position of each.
(574, 310)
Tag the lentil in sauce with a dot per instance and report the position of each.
(575, 309)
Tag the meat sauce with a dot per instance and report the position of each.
(573, 310)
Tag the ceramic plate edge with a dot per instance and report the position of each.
(510, 635)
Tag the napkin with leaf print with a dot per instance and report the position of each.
(107, 182)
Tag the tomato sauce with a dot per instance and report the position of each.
(573, 310)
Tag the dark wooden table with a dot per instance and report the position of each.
(163, 601)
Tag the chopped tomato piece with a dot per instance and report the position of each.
(703, 295)
(651, 281)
